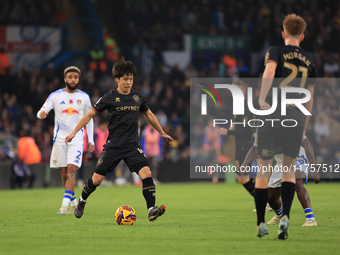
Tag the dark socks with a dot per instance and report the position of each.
(261, 198)
(149, 192)
(89, 187)
(250, 187)
(287, 195)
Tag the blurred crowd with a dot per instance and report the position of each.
(167, 94)
(161, 24)
(151, 27)
(32, 12)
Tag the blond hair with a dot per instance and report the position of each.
(294, 25)
(71, 69)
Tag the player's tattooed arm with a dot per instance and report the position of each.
(311, 159)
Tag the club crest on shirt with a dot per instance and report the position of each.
(54, 162)
(117, 99)
(71, 101)
(136, 98)
(79, 101)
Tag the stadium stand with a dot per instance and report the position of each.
(148, 28)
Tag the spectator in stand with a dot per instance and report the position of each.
(162, 118)
(177, 74)
(28, 150)
(34, 16)
(100, 136)
(331, 68)
(152, 148)
(20, 174)
(97, 63)
(5, 64)
(4, 14)
(321, 128)
(18, 15)
(199, 62)
(230, 62)
(45, 148)
(60, 16)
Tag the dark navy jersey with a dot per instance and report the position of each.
(123, 111)
(295, 67)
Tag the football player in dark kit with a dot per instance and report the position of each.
(124, 106)
(244, 139)
(293, 65)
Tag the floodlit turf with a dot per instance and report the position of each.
(200, 219)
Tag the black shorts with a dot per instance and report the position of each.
(242, 149)
(280, 139)
(134, 158)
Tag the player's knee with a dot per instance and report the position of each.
(96, 181)
(243, 180)
(145, 172)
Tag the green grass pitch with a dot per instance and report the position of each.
(201, 218)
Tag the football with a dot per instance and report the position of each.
(125, 215)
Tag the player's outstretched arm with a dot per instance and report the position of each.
(311, 159)
(151, 118)
(46, 108)
(82, 123)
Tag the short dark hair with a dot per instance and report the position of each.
(122, 67)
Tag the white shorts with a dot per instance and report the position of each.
(62, 155)
(276, 176)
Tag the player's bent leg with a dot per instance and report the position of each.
(149, 193)
(89, 187)
(302, 193)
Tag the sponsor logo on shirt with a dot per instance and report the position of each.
(62, 102)
(127, 108)
(117, 99)
(70, 111)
